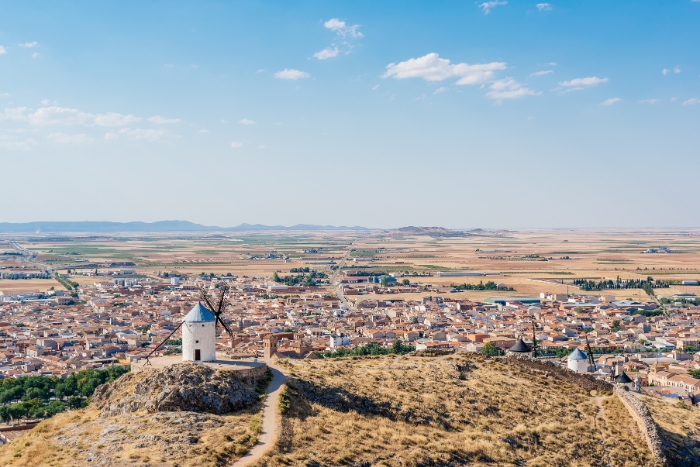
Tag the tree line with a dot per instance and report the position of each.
(35, 392)
(490, 285)
(647, 284)
(305, 278)
(372, 348)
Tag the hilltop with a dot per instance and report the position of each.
(410, 410)
(453, 410)
(184, 415)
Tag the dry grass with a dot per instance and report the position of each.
(616, 423)
(184, 439)
(424, 411)
(680, 426)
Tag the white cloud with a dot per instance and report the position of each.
(245, 121)
(375, 87)
(508, 88)
(35, 54)
(2, 50)
(17, 145)
(111, 135)
(649, 101)
(342, 29)
(260, 70)
(693, 101)
(291, 74)
(433, 68)
(159, 119)
(236, 144)
(70, 139)
(29, 44)
(542, 73)
(488, 6)
(51, 116)
(55, 115)
(262, 146)
(144, 134)
(115, 119)
(611, 101)
(544, 6)
(581, 83)
(440, 90)
(676, 69)
(665, 71)
(203, 131)
(328, 52)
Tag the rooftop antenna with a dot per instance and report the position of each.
(223, 290)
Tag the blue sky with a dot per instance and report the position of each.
(460, 114)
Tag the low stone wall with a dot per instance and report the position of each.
(250, 373)
(640, 413)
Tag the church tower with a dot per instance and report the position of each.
(270, 344)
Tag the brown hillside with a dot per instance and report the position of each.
(451, 410)
(156, 418)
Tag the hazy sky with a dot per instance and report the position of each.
(460, 114)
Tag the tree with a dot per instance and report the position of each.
(400, 348)
(406, 282)
(490, 350)
(276, 277)
(615, 325)
(384, 281)
(694, 373)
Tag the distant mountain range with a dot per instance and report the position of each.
(160, 226)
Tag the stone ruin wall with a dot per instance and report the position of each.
(640, 413)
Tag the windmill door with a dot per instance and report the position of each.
(197, 354)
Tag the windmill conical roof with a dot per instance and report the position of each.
(577, 355)
(199, 314)
(623, 378)
(520, 346)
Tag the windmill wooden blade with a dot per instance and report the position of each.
(218, 318)
(164, 341)
(205, 297)
(222, 298)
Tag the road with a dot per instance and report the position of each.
(347, 305)
(29, 256)
(270, 421)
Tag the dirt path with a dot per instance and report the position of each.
(601, 413)
(270, 422)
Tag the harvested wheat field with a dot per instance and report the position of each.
(451, 410)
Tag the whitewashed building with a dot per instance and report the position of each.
(199, 335)
(578, 361)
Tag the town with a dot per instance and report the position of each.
(102, 314)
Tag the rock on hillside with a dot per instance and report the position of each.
(181, 387)
(187, 415)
